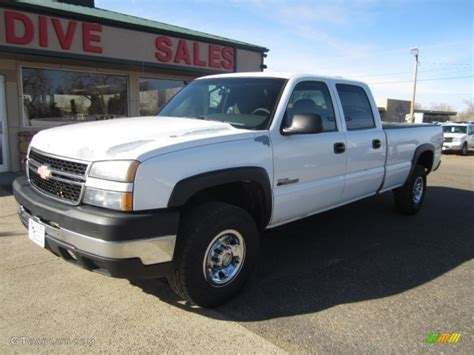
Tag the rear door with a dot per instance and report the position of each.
(365, 141)
(308, 168)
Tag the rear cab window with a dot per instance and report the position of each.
(356, 107)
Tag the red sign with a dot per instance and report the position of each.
(217, 57)
(55, 34)
(14, 21)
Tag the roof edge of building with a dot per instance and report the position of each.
(436, 112)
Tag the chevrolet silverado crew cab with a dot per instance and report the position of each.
(186, 194)
(458, 137)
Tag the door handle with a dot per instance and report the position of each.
(339, 148)
(376, 143)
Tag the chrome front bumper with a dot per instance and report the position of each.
(452, 146)
(150, 251)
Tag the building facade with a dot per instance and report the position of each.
(62, 63)
(393, 110)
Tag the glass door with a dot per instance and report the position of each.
(3, 125)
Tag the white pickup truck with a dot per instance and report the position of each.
(186, 194)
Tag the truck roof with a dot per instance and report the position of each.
(282, 75)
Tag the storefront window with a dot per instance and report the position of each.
(54, 97)
(155, 93)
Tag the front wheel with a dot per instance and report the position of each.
(409, 198)
(217, 247)
(464, 149)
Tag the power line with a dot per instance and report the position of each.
(433, 79)
(407, 72)
(449, 64)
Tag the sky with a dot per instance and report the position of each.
(366, 40)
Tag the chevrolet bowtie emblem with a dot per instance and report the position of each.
(44, 172)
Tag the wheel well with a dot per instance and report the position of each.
(247, 195)
(426, 160)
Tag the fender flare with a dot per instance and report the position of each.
(189, 186)
(418, 151)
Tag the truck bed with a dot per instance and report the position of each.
(402, 141)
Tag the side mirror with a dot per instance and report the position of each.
(304, 123)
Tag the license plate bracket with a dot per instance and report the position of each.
(36, 232)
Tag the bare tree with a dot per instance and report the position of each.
(468, 113)
(441, 106)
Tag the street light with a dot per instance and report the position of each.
(414, 51)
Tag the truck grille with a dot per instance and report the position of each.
(448, 139)
(66, 180)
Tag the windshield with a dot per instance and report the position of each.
(455, 129)
(243, 102)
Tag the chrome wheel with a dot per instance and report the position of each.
(224, 258)
(418, 187)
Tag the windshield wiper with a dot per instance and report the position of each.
(205, 118)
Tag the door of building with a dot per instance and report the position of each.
(3, 126)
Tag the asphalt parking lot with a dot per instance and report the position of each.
(357, 279)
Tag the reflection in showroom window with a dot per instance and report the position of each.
(54, 97)
(155, 93)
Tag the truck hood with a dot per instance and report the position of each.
(133, 138)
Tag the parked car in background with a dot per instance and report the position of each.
(458, 137)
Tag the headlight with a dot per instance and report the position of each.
(118, 170)
(457, 139)
(110, 184)
(122, 201)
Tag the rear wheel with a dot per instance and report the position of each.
(217, 247)
(409, 198)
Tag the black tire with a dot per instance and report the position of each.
(198, 229)
(464, 149)
(407, 201)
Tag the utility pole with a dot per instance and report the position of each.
(414, 51)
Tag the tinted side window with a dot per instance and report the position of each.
(356, 106)
(312, 97)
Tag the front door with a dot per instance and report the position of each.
(308, 168)
(3, 125)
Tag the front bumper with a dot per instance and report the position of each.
(452, 146)
(126, 245)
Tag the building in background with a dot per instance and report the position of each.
(428, 116)
(63, 62)
(392, 110)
